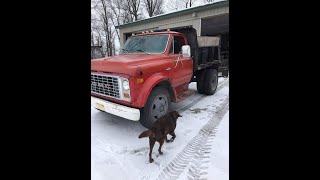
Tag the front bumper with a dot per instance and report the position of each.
(116, 109)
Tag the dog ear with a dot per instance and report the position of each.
(173, 114)
(177, 114)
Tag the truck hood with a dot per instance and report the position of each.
(131, 64)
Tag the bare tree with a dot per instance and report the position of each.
(127, 17)
(186, 2)
(117, 8)
(105, 15)
(176, 5)
(92, 39)
(132, 6)
(103, 28)
(173, 6)
(189, 2)
(153, 7)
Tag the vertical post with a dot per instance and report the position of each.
(122, 38)
(199, 29)
(219, 48)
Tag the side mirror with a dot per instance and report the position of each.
(186, 51)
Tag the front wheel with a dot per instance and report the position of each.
(156, 106)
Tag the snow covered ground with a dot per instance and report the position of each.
(200, 150)
(219, 159)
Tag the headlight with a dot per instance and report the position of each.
(125, 85)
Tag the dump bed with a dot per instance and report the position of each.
(208, 51)
(208, 41)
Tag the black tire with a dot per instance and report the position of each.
(210, 82)
(200, 81)
(156, 106)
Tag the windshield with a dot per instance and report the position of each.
(155, 44)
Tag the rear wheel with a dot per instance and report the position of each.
(210, 82)
(156, 106)
(200, 81)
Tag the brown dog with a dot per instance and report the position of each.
(160, 129)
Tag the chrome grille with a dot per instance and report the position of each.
(105, 85)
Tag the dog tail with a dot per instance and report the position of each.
(146, 133)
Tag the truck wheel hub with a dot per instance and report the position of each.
(159, 107)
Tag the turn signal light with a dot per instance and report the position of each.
(126, 95)
(140, 80)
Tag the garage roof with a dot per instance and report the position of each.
(177, 13)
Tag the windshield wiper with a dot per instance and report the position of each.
(124, 50)
(142, 51)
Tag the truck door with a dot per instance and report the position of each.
(182, 68)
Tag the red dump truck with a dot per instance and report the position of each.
(152, 70)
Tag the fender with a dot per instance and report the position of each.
(149, 84)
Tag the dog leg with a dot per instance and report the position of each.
(151, 143)
(167, 139)
(173, 136)
(161, 143)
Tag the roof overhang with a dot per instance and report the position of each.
(177, 13)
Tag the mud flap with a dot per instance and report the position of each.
(225, 72)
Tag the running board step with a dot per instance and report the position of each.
(185, 95)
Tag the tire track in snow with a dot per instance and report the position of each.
(194, 154)
(199, 166)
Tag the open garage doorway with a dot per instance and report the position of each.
(219, 26)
